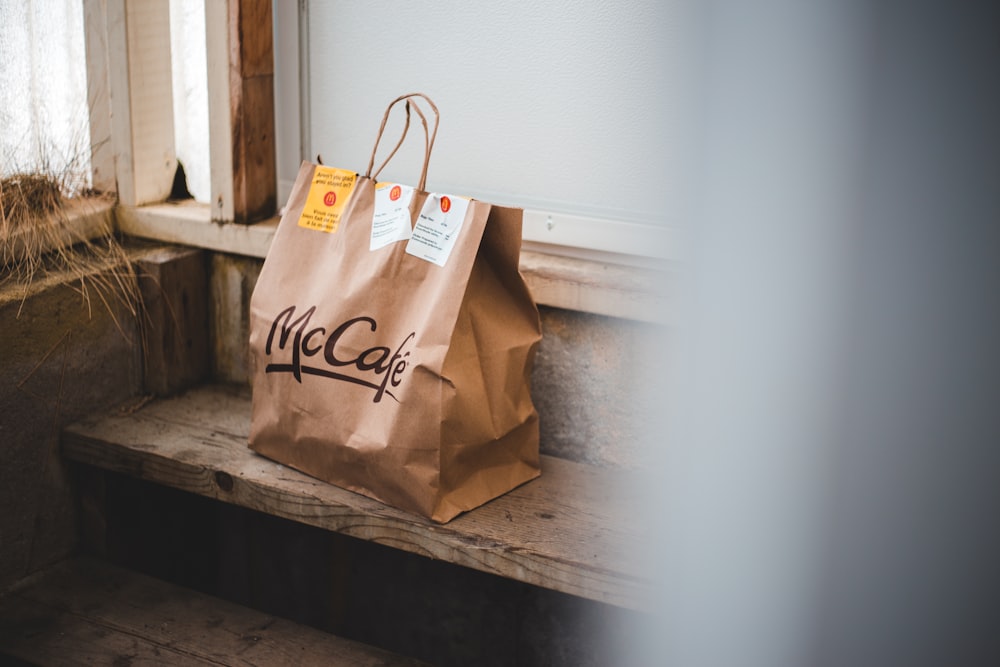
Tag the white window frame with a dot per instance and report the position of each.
(570, 261)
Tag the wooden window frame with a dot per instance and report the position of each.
(129, 81)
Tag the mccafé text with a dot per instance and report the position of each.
(378, 367)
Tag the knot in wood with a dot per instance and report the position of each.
(224, 480)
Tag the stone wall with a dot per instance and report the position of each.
(64, 352)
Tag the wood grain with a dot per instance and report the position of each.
(142, 101)
(251, 106)
(102, 156)
(85, 611)
(572, 530)
(174, 286)
(252, 37)
(220, 122)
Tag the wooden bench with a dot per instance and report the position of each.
(571, 530)
(85, 611)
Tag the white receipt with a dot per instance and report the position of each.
(437, 227)
(391, 222)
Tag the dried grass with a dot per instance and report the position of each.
(38, 238)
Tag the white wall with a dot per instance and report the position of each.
(553, 105)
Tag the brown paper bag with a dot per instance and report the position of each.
(387, 371)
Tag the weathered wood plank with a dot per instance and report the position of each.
(255, 178)
(139, 75)
(231, 285)
(251, 100)
(190, 223)
(240, 64)
(40, 635)
(571, 530)
(89, 612)
(102, 157)
(174, 285)
(220, 122)
(253, 26)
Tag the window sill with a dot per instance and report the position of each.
(602, 287)
(83, 220)
(190, 223)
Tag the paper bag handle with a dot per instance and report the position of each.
(429, 135)
(406, 128)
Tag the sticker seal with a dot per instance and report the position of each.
(391, 219)
(328, 195)
(437, 227)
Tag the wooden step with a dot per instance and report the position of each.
(87, 612)
(572, 530)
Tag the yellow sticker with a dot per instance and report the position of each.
(328, 194)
